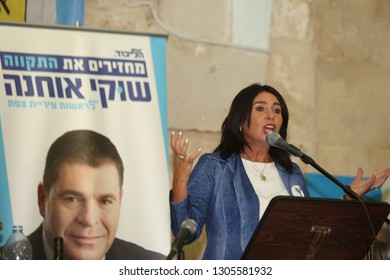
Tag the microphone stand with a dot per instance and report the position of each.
(187, 231)
(180, 254)
(347, 189)
(308, 160)
(171, 254)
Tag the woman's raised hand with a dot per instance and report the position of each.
(182, 166)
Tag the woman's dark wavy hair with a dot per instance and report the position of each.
(232, 139)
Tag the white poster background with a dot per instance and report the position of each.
(134, 128)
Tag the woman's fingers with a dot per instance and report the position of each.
(179, 148)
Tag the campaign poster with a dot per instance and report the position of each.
(54, 79)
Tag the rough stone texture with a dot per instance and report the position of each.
(352, 81)
(202, 83)
(291, 69)
(329, 58)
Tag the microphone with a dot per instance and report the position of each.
(187, 231)
(276, 140)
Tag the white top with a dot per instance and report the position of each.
(265, 190)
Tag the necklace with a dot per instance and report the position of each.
(261, 173)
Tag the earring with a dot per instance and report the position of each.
(240, 128)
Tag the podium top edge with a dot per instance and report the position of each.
(79, 28)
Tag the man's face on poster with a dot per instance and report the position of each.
(83, 207)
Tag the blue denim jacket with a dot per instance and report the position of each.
(221, 197)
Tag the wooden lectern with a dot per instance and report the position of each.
(299, 228)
